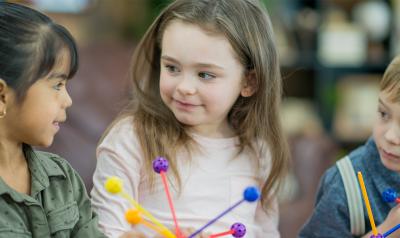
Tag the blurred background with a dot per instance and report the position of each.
(333, 54)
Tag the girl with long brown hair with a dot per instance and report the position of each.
(206, 94)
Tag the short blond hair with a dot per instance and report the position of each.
(391, 79)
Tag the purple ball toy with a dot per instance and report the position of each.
(377, 236)
(239, 230)
(160, 164)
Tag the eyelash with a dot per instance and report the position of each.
(171, 68)
(209, 76)
(204, 75)
(58, 86)
(383, 115)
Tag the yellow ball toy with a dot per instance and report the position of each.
(113, 185)
(133, 216)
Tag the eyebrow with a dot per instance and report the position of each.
(206, 65)
(383, 104)
(58, 75)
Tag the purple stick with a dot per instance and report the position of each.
(215, 219)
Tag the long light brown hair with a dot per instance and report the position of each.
(245, 23)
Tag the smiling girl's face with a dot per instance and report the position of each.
(200, 78)
(36, 120)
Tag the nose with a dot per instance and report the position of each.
(393, 135)
(67, 100)
(187, 85)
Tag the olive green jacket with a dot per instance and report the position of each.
(57, 207)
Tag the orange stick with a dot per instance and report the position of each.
(366, 200)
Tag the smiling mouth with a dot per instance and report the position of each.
(184, 104)
(390, 155)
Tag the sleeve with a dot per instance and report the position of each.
(330, 217)
(87, 225)
(268, 221)
(118, 155)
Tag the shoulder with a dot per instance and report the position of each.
(332, 179)
(54, 164)
(362, 156)
(120, 145)
(330, 214)
(120, 135)
(123, 127)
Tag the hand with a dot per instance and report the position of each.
(392, 219)
(188, 231)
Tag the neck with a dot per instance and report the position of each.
(11, 155)
(222, 130)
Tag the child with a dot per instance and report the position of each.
(207, 89)
(40, 194)
(379, 162)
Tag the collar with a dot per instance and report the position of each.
(42, 167)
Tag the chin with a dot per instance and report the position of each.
(185, 120)
(391, 165)
(46, 143)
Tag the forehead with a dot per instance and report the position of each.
(63, 61)
(386, 99)
(190, 42)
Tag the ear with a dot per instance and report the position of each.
(249, 84)
(3, 92)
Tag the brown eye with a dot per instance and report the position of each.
(58, 86)
(172, 69)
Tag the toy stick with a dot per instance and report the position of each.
(366, 200)
(114, 185)
(160, 165)
(250, 194)
(230, 232)
(391, 230)
(134, 218)
(237, 230)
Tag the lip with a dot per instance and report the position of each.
(390, 156)
(184, 105)
(56, 125)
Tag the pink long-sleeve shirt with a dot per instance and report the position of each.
(212, 181)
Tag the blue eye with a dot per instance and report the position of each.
(206, 76)
(383, 115)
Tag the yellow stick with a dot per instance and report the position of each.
(161, 231)
(166, 231)
(366, 200)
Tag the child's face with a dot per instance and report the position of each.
(387, 132)
(201, 77)
(37, 119)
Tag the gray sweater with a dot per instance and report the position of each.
(330, 217)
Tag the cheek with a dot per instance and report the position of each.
(378, 131)
(166, 85)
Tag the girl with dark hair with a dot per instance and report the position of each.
(40, 194)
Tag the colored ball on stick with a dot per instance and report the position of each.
(133, 216)
(113, 185)
(389, 195)
(160, 164)
(239, 230)
(251, 194)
